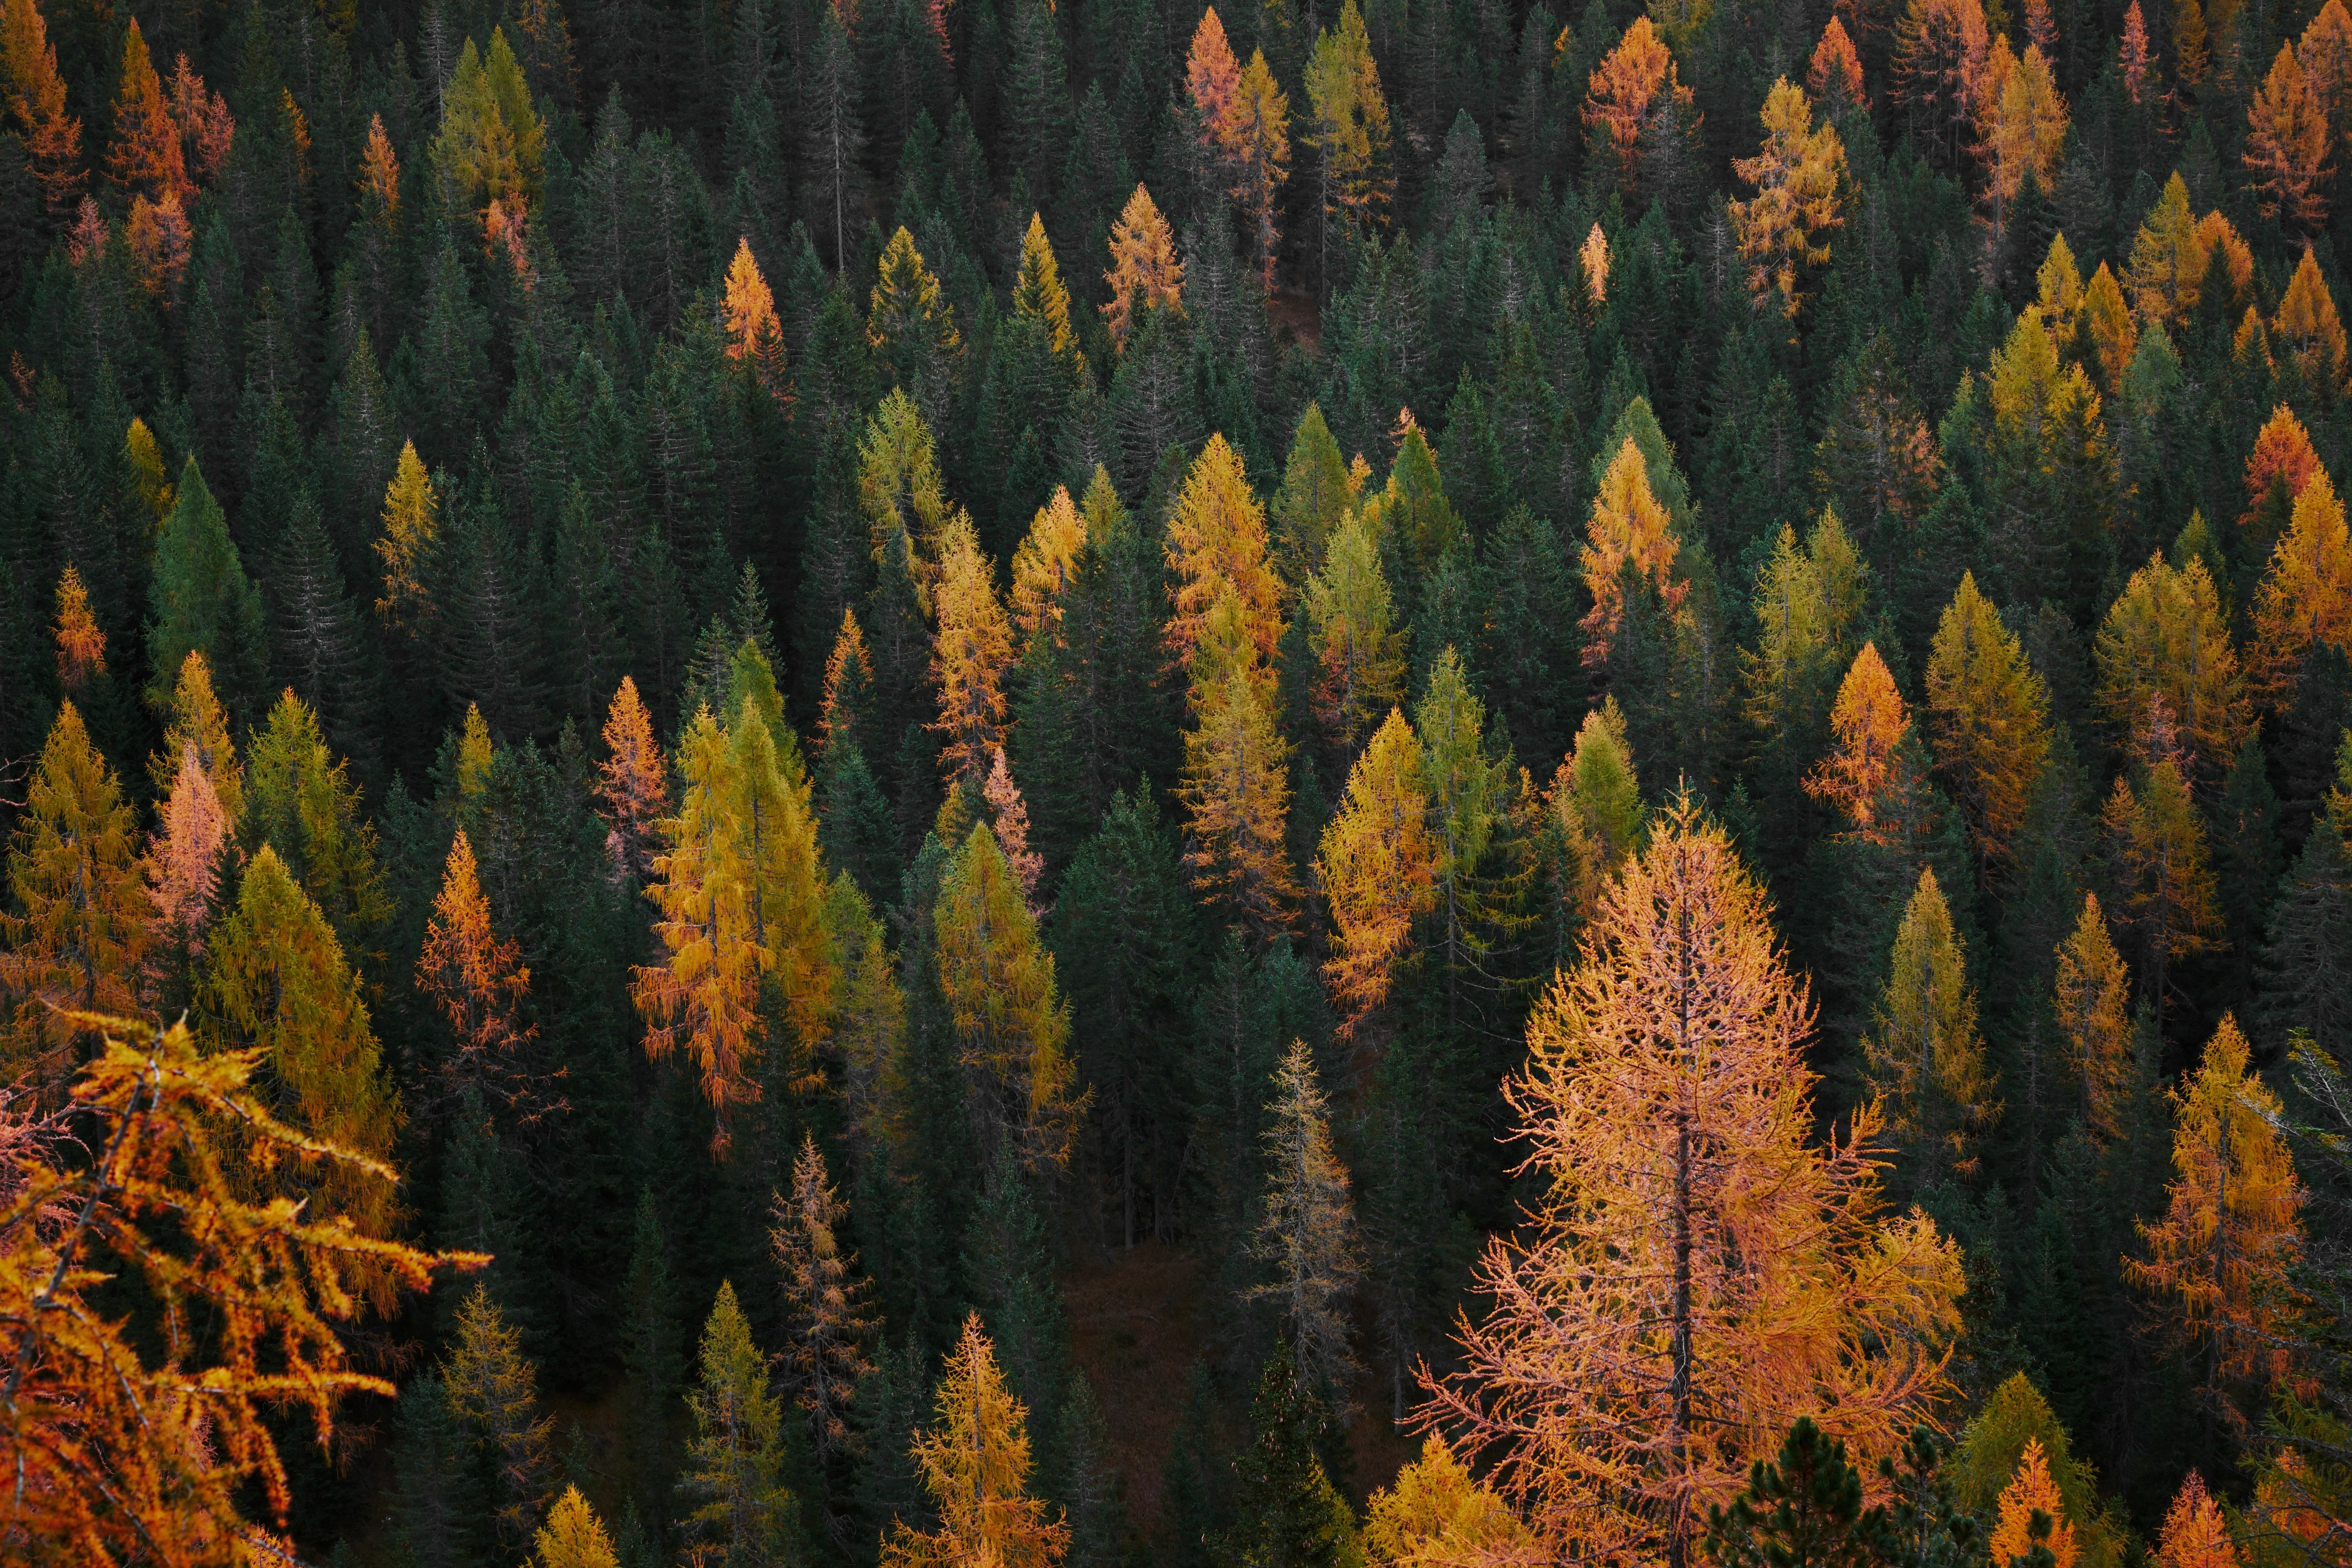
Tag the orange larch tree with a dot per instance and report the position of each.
(145, 157)
(1145, 274)
(2221, 1261)
(2030, 1491)
(1217, 547)
(2287, 146)
(847, 708)
(480, 986)
(1378, 871)
(2325, 52)
(633, 785)
(1240, 117)
(1627, 529)
(2308, 327)
(206, 127)
(1784, 229)
(2093, 998)
(183, 868)
(1643, 1323)
(2305, 600)
(2195, 1533)
(2133, 57)
(755, 334)
(81, 641)
(1833, 75)
(1868, 722)
(1634, 84)
(34, 96)
(2166, 894)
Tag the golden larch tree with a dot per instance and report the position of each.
(124, 1448)
(81, 641)
(35, 101)
(969, 656)
(2166, 637)
(182, 868)
(574, 1537)
(1043, 565)
(2219, 1264)
(2277, 471)
(1358, 655)
(2287, 146)
(1697, 1269)
(1834, 75)
(76, 927)
(1634, 84)
(1784, 228)
(2030, 1491)
(2308, 327)
(1236, 794)
(1350, 128)
(826, 1306)
(1868, 722)
(1012, 1025)
(1145, 274)
(1924, 1059)
(1378, 870)
(755, 334)
(1038, 294)
(2168, 263)
(631, 783)
(145, 157)
(1435, 1512)
(194, 718)
(412, 523)
(2195, 1534)
(2325, 52)
(2305, 600)
(846, 710)
(1987, 718)
(974, 1461)
(480, 984)
(1240, 119)
(1627, 529)
(2166, 894)
(1594, 805)
(1216, 546)
(2093, 998)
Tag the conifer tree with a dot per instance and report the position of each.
(481, 985)
(1359, 664)
(2196, 1534)
(2305, 597)
(1987, 712)
(81, 641)
(1926, 1062)
(1145, 274)
(1784, 227)
(183, 869)
(275, 982)
(2093, 998)
(78, 927)
(974, 1462)
(1834, 74)
(1350, 132)
(195, 717)
(494, 1389)
(1939, 61)
(1377, 869)
(1217, 548)
(574, 1537)
(412, 521)
(2308, 327)
(1286, 1508)
(2287, 144)
(2031, 1516)
(302, 801)
(1236, 793)
(2163, 872)
(1633, 87)
(755, 336)
(1305, 1234)
(1011, 1025)
(2221, 1262)
(1042, 567)
(1630, 538)
(35, 105)
(1663, 1096)
(1863, 774)
(633, 786)
(826, 1309)
(734, 1465)
(910, 326)
(1594, 805)
(200, 601)
(1436, 1510)
(2164, 637)
(972, 653)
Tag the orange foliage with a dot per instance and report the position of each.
(1216, 548)
(1378, 869)
(1834, 76)
(1869, 723)
(2132, 53)
(2195, 1534)
(2030, 1491)
(848, 688)
(1628, 528)
(207, 129)
(1626, 87)
(2305, 597)
(34, 96)
(2325, 52)
(480, 984)
(753, 333)
(1145, 274)
(632, 785)
(145, 155)
(2308, 327)
(183, 864)
(2287, 146)
(2280, 466)
(1940, 67)
(159, 239)
(82, 642)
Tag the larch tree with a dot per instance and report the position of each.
(1037, 292)
(910, 326)
(2022, 126)
(2133, 58)
(1359, 654)
(2307, 328)
(276, 984)
(2093, 997)
(1012, 1026)
(1695, 1270)
(2195, 1533)
(1008, 819)
(182, 867)
(632, 785)
(404, 550)
(742, 1512)
(2305, 599)
(34, 103)
(1863, 774)
(1377, 868)
(145, 158)
(1350, 132)
(975, 1463)
(300, 799)
(2165, 637)
(2281, 465)
(755, 336)
(1217, 547)
(826, 1307)
(81, 641)
(76, 927)
(1939, 65)
(1240, 120)
(480, 986)
(1632, 86)
(1784, 228)
(125, 1448)
(574, 1537)
(1628, 535)
(1926, 1062)
(1307, 1228)
(1987, 719)
(1436, 1511)
(1043, 565)
(1594, 805)
(2324, 53)
(2221, 1262)
(972, 653)
(2287, 146)
(1236, 794)
(493, 1389)
(1834, 75)
(2162, 871)
(2031, 1492)
(195, 717)
(1145, 273)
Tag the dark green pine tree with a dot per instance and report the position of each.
(200, 600)
(367, 444)
(853, 824)
(651, 1361)
(444, 368)
(317, 645)
(439, 1508)
(1803, 1506)
(1526, 645)
(1009, 1261)
(1196, 1482)
(2307, 967)
(1288, 1512)
(486, 646)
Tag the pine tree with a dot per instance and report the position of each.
(1012, 1026)
(1306, 1232)
(1927, 1062)
(495, 1391)
(78, 928)
(1986, 713)
(1286, 1510)
(201, 601)
(1784, 228)
(2221, 1262)
(734, 1465)
(1665, 1094)
(974, 1460)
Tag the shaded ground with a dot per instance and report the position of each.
(1135, 1332)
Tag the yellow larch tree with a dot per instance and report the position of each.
(1236, 794)
(1358, 655)
(2166, 894)
(127, 1449)
(1784, 228)
(2277, 471)
(2168, 261)
(1868, 722)
(81, 641)
(974, 1461)
(2030, 1491)
(969, 656)
(574, 1537)
(2305, 600)
(1697, 1267)
(1043, 565)
(412, 521)
(1925, 1060)
(2166, 637)
(194, 719)
(2093, 998)
(1012, 1025)
(1987, 718)
(1378, 870)
(2021, 125)
(76, 929)
(1351, 130)
(1145, 274)
(2221, 1262)
(2308, 327)
(2287, 146)
(1437, 1512)
(1038, 294)
(1217, 546)
(1628, 529)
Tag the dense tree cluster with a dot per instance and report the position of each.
(1640, 722)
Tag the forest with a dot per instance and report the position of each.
(872, 784)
